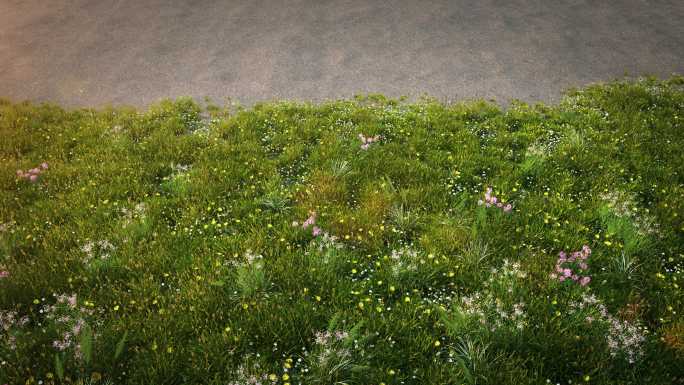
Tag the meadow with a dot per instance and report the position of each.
(363, 241)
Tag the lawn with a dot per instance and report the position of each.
(364, 241)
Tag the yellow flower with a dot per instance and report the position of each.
(272, 377)
(286, 377)
(437, 343)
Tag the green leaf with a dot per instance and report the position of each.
(87, 344)
(59, 367)
(120, 346)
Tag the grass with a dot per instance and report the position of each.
(351, 242)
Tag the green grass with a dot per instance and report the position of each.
(170, 246)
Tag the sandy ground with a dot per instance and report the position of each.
(92, 53)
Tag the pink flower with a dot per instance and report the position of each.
(72, 300)
(567, 272)
(44, 165)
(33, 178)
(583, 266)
(4, 274)
(508, 208)
(316, 231)
(585, 281)
(366, 141)
(20, 173)
(310, 220)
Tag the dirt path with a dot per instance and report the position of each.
(80, 52)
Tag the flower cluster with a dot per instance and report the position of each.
(6, 226)
(405, 259)
(576, 260)
(137, 212)
(253, 259)
(310, 221)
(32, 174)
(324, 338)
(623, 205)
(367, 141)
(247, 374)
(328, 242)
(498, 305)
(69, 321)
(97, 250)
(244, 378)
(4, 273)
(624, 338)
(9, 323)
(492, 201)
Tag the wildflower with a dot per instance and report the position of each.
(565, 264)
(316, 231)
(367, 141)
(4, 273)
(32, 174)
(310, 220)
(492, 201)
(340, 335)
